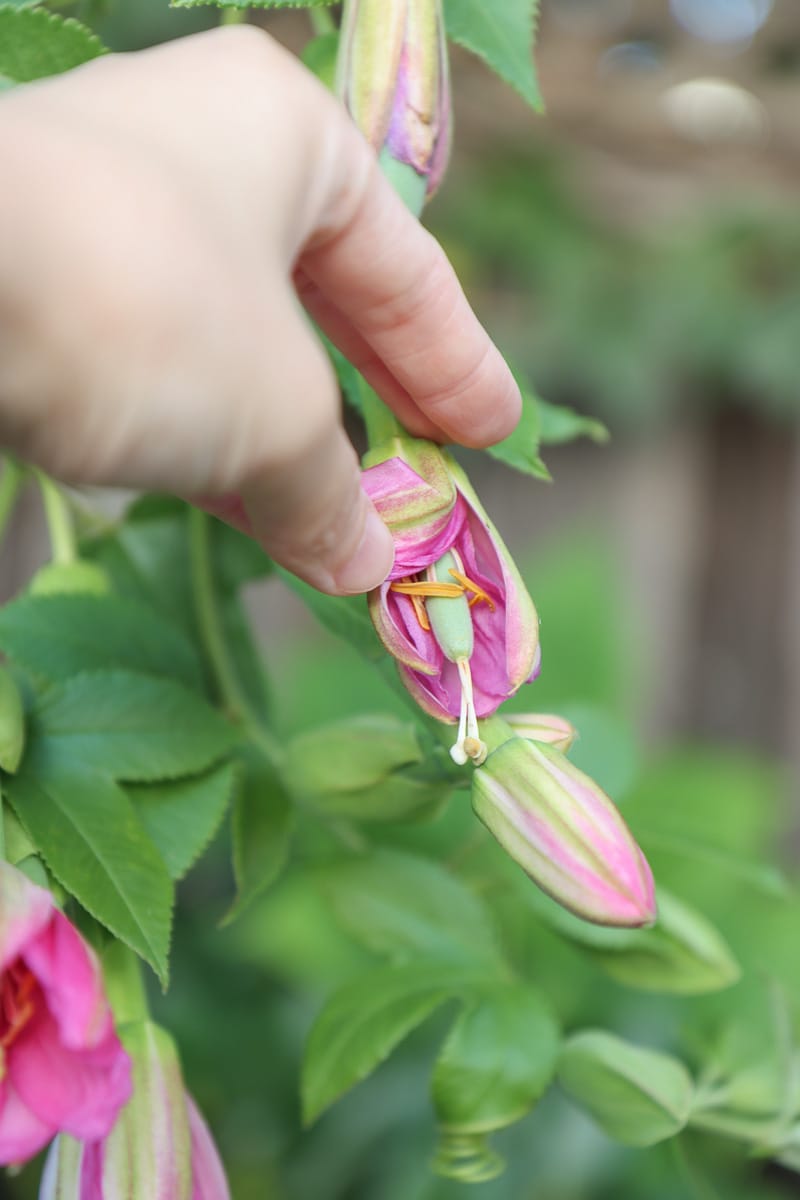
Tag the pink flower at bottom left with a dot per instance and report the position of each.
(62, 1066)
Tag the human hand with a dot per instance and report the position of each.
(162, 213)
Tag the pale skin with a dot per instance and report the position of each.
(166, 219)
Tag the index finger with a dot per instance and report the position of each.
(391, 282)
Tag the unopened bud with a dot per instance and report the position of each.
(393, 76)
(543, 727)
(638, 1096)
(367, 768)
(565, 833)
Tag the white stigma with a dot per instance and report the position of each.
(468, 744)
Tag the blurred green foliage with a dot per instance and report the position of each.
(631, 324)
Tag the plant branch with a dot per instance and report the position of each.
(212, 636)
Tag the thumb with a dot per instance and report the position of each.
(307, 508)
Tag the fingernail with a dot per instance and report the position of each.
(372, 561)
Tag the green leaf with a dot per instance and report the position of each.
(35, 43)
(128, 726)
(637, 1096)
(682, 953)
(60, 636)
(502, 35)
(520, 449)
(182, 817)
(499, 1058)
(363, 1022)
(559, 424)
(91, 839)
(404, 906)
(345, 616)
(262, 826)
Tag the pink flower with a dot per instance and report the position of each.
(454, 611)
(64, 1067)
(160, 1147)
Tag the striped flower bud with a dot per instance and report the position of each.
(392, 74)
(565, 833)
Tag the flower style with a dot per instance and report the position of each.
(393, 77)
(454, 612)
(564, 832)
(63, 1065)
(160, 1147)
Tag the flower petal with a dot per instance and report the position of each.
(25, 910)
(208, 1176)
(70, 978)
(22, 1132)
(78, 1091)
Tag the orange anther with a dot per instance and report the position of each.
(477, 592)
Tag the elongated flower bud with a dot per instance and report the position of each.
(393, 77)
(160, 1147)
(544, 727)
(565, 833)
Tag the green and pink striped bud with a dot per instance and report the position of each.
(160, 1147)
(565, 833)
(454, 611)
(543, 727)
(392, 74)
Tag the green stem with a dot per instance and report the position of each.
(382, 425)
(321, 21)
(124, 984)
(231, 692)
(233, 16)
(10, 485)
(63, 543)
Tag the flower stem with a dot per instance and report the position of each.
(321, 21)
(233, 16)
(382, 425)
(212, 636)
(10, 485)
(63, 543)
(124, 984)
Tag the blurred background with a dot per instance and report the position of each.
(636, 251)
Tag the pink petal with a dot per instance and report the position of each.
(25, 910)
(208, 1176)
(71, 981)
(22, 1133)
(78, 1091)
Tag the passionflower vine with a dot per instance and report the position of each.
(63, 1066)
(454, 612)
(160, 1147)
(393, 77)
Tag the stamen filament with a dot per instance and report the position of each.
(469, 743)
